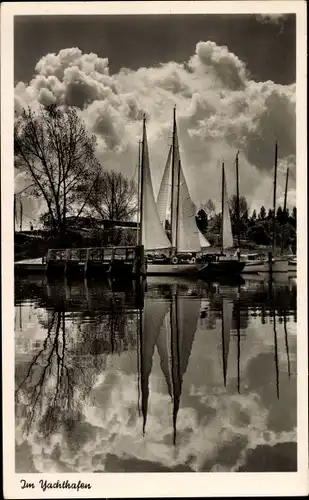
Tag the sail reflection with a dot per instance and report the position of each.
(83, 327)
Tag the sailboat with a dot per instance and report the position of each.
(179, 254)
(254, 262)
(220, 263)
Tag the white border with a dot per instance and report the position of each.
(167, 484)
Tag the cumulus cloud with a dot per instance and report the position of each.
(271, 18)
(276, 19)
(220, 109)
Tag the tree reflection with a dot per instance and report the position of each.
(47, 390)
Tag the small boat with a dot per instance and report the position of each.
(279, 265)
(292, 263)
(218, 264)
(254, 263)
(180, 254)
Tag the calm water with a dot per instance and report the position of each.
(176, 376)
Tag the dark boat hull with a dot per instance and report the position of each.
(223, 268)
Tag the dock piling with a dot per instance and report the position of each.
(270, 262)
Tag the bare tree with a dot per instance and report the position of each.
(243, 206)
(209, 208)
(114, 196)
(52, 147)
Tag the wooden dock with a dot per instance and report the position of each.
(113, 261)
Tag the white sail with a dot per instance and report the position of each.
(164, 195)
(185, 235)
(153, 233)
(204, 243)
(188, 235)
(227, 235)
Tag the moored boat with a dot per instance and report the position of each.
(221, 264)
(228, 266)
(180, 269)
(253, 263)
(278, 265)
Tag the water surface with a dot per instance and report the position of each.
(175, 375)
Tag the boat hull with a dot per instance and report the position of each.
(169, 269)
(278, 266)
(254, 267)
(224, 267)
(292, 265)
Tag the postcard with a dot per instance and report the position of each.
(154, 246)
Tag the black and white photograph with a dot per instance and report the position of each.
(155, 216)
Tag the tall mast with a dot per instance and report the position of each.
(173, 168)
(237, 201)
(274, 201)
(286, 190)
(138, 185)
(142, 168)
(14, 212)
(222, 206)
(21, 216)
(284, 206)
(177, 208)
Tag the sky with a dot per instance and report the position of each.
(231, 77)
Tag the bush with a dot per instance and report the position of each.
(259, 234)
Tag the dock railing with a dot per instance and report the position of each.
(98, 254)
(108, 259)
